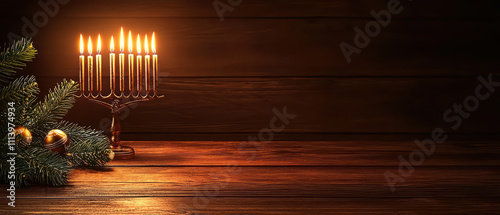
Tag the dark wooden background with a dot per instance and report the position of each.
(222, 79)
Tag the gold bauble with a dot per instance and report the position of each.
(57, 141)
(111, 154)
(26, 137)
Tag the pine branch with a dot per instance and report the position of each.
(14, 57)
(37, 164)
(19, 89)
(22, 173)
(23, 110)
(46, 167)
(88, 146)
(56, 104)
(85, 155)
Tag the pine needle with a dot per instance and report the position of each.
(19, 89)
(36, 164)
(13, 58)
(56, 104)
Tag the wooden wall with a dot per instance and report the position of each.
(222, 79)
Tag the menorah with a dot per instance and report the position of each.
(142, 86)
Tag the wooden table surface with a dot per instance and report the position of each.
(282, 177)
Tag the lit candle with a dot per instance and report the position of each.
(121, 61)
(130, 63)
(90, 62)
(98, 64)
(81, 63)
(139, 64)
(155, 64)
(112, 65)
(146, 64)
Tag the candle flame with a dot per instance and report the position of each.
(130, 42)
(138, 43)
(112, 45)
(153, 44)
(99, 44)
(122, 42)
(90, 46)
(81, 44)
(146, 46)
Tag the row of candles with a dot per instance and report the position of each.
(138, 75)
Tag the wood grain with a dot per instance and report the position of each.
(444, 9)
(280, 47)
(242, 68)
(286, 169)
(192, 182)
(174, 205)
(304, 153)
(222, 80)
(335, 105)
(297, 182)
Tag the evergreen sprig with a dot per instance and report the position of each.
(46, 167)
(14, 57)
(22, 171)
(19, 89)
(36, 164)
(56, 104)
(88, 146)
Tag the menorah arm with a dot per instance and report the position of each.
(103, 103)
(116, 105)
(126, 104)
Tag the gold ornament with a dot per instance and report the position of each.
(25, 134)
(111, 154)
(57, 141)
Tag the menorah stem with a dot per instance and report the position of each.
(115, 129)
(121, 152)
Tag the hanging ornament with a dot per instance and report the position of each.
(26, 137)
(57, 141)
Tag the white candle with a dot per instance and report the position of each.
(98, 64)
(130, 63)
(155, 64)
(81, 66)
(90, 62)
(139, 64)
(146, 64)
(121, 62)
(112, 65)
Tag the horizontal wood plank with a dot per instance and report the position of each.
(444, 9)
(280, 48)
(173, 205)
(333, 105)
(184, 189)
(304, 153)
(311, 182)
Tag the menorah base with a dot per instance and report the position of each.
(123, 152)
